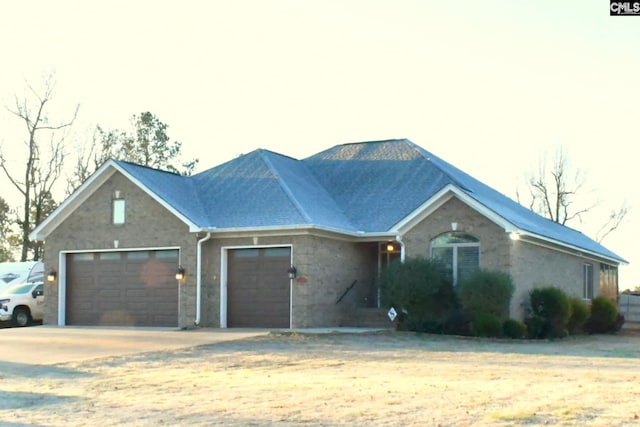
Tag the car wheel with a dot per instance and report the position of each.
(21, 317)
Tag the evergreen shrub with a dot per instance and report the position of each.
(486, 291)
(512, 328)
(550, 313)
(579, 313)
(486, 325)
(604, 317)
(420, 293)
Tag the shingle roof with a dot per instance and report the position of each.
(265, 189)
(176, 191)
(379, 183)
(360, 187)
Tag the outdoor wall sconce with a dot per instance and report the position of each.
(292, 272)
(51, 276)
(390, 247)
(180, 274)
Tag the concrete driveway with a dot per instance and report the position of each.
(48, 345)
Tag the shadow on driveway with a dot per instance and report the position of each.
(49, 345)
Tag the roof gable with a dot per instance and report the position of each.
(524, 220)
(177, 193)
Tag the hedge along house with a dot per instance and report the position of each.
(266, 240)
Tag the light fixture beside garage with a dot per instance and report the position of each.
(292, 272)
(180, 274)
(51, 276)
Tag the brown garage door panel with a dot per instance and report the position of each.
(258, 288)
(122, 288)
(135, 293)
(108, 293)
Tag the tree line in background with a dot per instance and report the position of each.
(45, 145)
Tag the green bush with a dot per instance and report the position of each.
(537, 327)
(486, 291)
(458, 323)
(550, 313)
(512, 328)
(579, 313)
(420, 293)
(604, 316)
(486, 325)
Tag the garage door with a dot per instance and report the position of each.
(258, 288)
(136, 288)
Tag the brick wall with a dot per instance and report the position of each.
(330, 266)
(535, 266)
(148, 225)
(529, 265)
(325, 268)
(494, 242)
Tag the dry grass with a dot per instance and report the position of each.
(382, 379)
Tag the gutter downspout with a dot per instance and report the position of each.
(199, 277)
(402, 251)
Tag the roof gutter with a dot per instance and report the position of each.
(199, 278)
(288, 229)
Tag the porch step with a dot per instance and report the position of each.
(368, 317)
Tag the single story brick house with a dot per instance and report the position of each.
(266, 240)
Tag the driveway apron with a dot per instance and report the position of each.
(48, 345)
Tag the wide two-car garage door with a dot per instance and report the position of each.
(258, 288)
(132, 288)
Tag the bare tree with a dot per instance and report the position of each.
(616, 217)
(41, 169)
(555, 194)
(104, 146)
(553, 191)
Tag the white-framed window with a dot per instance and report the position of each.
(118, 209)
(457, 253)
(587, 291)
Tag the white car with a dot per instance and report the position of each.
(22, 304)
(12, 273)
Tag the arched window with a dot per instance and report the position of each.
(458, 254)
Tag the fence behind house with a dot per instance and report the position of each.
(629, 306)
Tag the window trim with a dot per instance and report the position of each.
(118, 212)
(455, 246)
(587, 288)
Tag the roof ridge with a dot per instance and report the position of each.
(266, 150)
(430, 157)
(155, 169)
(287, 190)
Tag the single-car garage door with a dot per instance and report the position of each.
(128, 288)
(258, 288)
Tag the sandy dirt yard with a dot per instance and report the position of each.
(381, 379)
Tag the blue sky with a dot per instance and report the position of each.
(486, 85)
